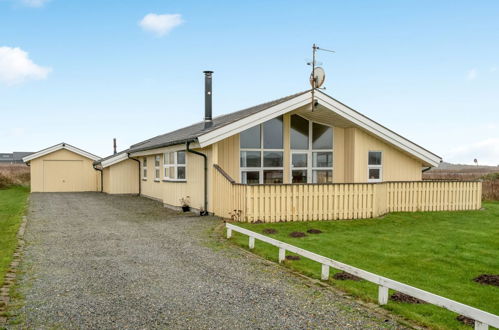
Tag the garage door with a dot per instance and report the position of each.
(62, 175)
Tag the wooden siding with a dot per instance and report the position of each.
(170, 192)
(228, 156)
(193, 187)
(397, 165)
(63, 171)
(122, 178)
(309, 202)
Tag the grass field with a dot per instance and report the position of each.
(12, 205)
(440, 252)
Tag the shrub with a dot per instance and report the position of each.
(14, 174)
(5, 181)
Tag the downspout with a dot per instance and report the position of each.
(140, 180)
(205, 211)
(426, 169)
(101, 178)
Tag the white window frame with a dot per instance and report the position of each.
(175, 165)
(157, 168)
(262, 168)
(310, 168)
(144, 168)
(380, 167)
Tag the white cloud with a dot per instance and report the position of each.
(160, 24)
(493, 69)
(472, 74)
(16, 67)
(486, 152)
(34, 3)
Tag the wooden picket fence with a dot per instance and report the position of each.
(309, 202)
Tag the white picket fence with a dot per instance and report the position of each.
(482, 319)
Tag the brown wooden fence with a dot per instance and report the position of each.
(308, 202)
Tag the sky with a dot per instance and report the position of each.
(85, 72)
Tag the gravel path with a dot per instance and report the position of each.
(100, 261)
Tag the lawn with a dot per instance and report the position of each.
(12, 205)
(440, 252)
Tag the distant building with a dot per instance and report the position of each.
(13, 158)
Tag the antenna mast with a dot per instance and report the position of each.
(315, 80)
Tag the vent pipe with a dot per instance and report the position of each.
(207, 99)
(114, 146)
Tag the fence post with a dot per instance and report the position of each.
(251, 242)
(229, 233)
(382, 295)
(481, 326)
(282, 254)
(325, 272)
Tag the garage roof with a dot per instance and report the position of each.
(62, 145)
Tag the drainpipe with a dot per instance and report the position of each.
(101, 178)
(426, 169)
(205, 211)
(140, 179)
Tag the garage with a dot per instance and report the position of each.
(63, 168)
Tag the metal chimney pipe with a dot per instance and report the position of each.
(207, 99)
(114, 145)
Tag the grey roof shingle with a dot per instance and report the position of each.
(190, 133)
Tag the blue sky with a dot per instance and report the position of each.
(84, 72)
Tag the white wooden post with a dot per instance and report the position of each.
(481, 326)
(251, 242)
(229, 233)
(382, 295)
(325, 272)
(282, 254)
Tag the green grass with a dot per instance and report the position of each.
(12, 206)
(440, 252)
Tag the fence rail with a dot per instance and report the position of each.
(307, 202)
(482, 319)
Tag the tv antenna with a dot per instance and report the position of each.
(318, 75)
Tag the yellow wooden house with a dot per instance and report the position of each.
(286, 160)
(302, 157)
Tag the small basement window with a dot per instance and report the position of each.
(157, 164)
(175, 167)
(144, 168)
(374, 166)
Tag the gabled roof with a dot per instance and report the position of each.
(191, 133)
(60, 146)
(233, 123)
(113, 159)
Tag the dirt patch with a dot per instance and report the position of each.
(465, 320)
(292, 257)
(257, 222)
(314, 231)
(405, 298)
(487, 279)
(269, 231)
(342, 276)
(297, 234)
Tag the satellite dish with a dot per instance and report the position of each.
(319, 77)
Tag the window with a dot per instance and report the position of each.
(262, 154)
(157, 161)
(144, 168)
(311, 158)
(374, 166)
(175, 166)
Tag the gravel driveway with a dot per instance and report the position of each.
(99, 261)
